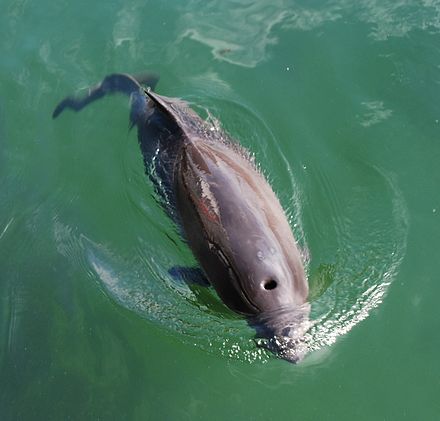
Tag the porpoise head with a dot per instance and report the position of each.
(271, 289)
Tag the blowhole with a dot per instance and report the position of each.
(269, 284)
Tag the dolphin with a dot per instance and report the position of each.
(228, 213)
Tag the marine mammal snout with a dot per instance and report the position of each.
(282, 332)
(285, 348)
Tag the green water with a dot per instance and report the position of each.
(340, 103)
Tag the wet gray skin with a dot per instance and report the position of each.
(230, 216)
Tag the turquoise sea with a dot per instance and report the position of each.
(339, 102)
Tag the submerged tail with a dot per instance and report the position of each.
(115, 83)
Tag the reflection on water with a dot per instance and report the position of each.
(215, 23)
(371, 242)
(375, 113)
(398, 18)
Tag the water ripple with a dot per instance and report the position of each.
(356, 230)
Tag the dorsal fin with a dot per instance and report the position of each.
(174, 108)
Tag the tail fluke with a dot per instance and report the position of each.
(115, 83)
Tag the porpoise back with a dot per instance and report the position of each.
(231, 218)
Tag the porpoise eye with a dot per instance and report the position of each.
(269, 284)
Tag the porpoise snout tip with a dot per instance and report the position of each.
(283, 332)
(284, 348)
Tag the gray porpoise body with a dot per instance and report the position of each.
(231, 218)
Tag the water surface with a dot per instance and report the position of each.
(339, 104)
